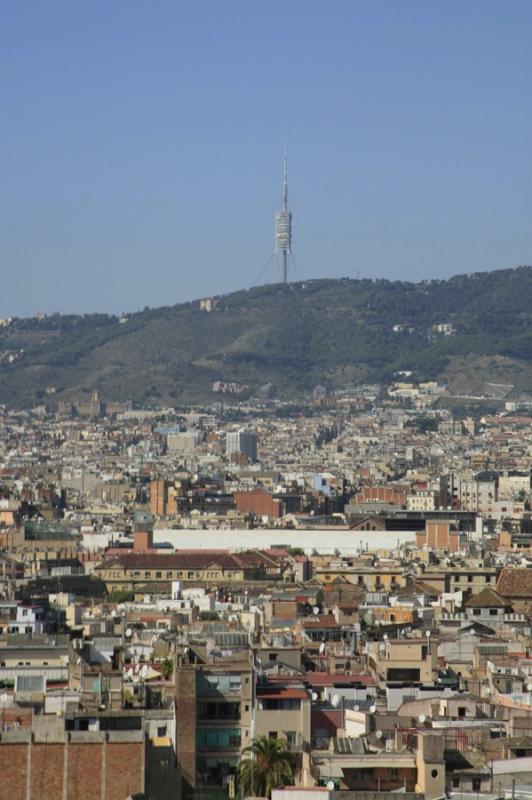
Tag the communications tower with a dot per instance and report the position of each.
(283, 226)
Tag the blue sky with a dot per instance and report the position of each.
(142, 144)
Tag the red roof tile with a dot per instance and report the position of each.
(281, 694)
(515, 582)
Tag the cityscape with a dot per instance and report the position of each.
(266, 475)
(344, 589)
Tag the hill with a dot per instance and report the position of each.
(329, 332)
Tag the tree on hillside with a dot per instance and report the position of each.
(267, 764)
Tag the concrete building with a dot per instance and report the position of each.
(214, 702)
(241, 442)
(283, 712)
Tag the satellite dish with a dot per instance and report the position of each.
(315, 610)
(335, 700)
(372, 709)
(129, 633)
(422, 719)
(113, 613)
(378, 734)
(356, 707)
(385, 637)
(330, 786)
(314, 696)
(3, 697)
(529, 687)
(322, 647)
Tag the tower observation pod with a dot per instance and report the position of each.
(283, 227)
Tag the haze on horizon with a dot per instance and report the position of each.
(142, 145)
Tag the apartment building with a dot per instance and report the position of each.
(214, 703)
(403, 661)
(283, 712)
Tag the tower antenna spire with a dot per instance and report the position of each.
(283, 224)
(285, 183)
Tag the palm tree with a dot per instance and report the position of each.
(269, 765)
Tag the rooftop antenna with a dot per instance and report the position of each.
(283, 224)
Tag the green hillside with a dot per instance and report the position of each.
(330, 332)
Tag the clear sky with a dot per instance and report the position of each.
(141, 144)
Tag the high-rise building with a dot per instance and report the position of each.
(241, 442)
(158, 497)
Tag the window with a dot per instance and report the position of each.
(394, 773)
(218, 739)
(476, 612)
(456, 783)
(461, 712)
(470, 579)
(161, 730)
(476, 784)
(493, 612)
(158, 574)
(291, 738)
(272, 735)
(272, 657)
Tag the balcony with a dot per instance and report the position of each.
(219, 686)
(212, 739)
(218, 712)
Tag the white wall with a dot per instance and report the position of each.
(321, 540)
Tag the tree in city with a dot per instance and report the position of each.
(266, 765)
(167, 668)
